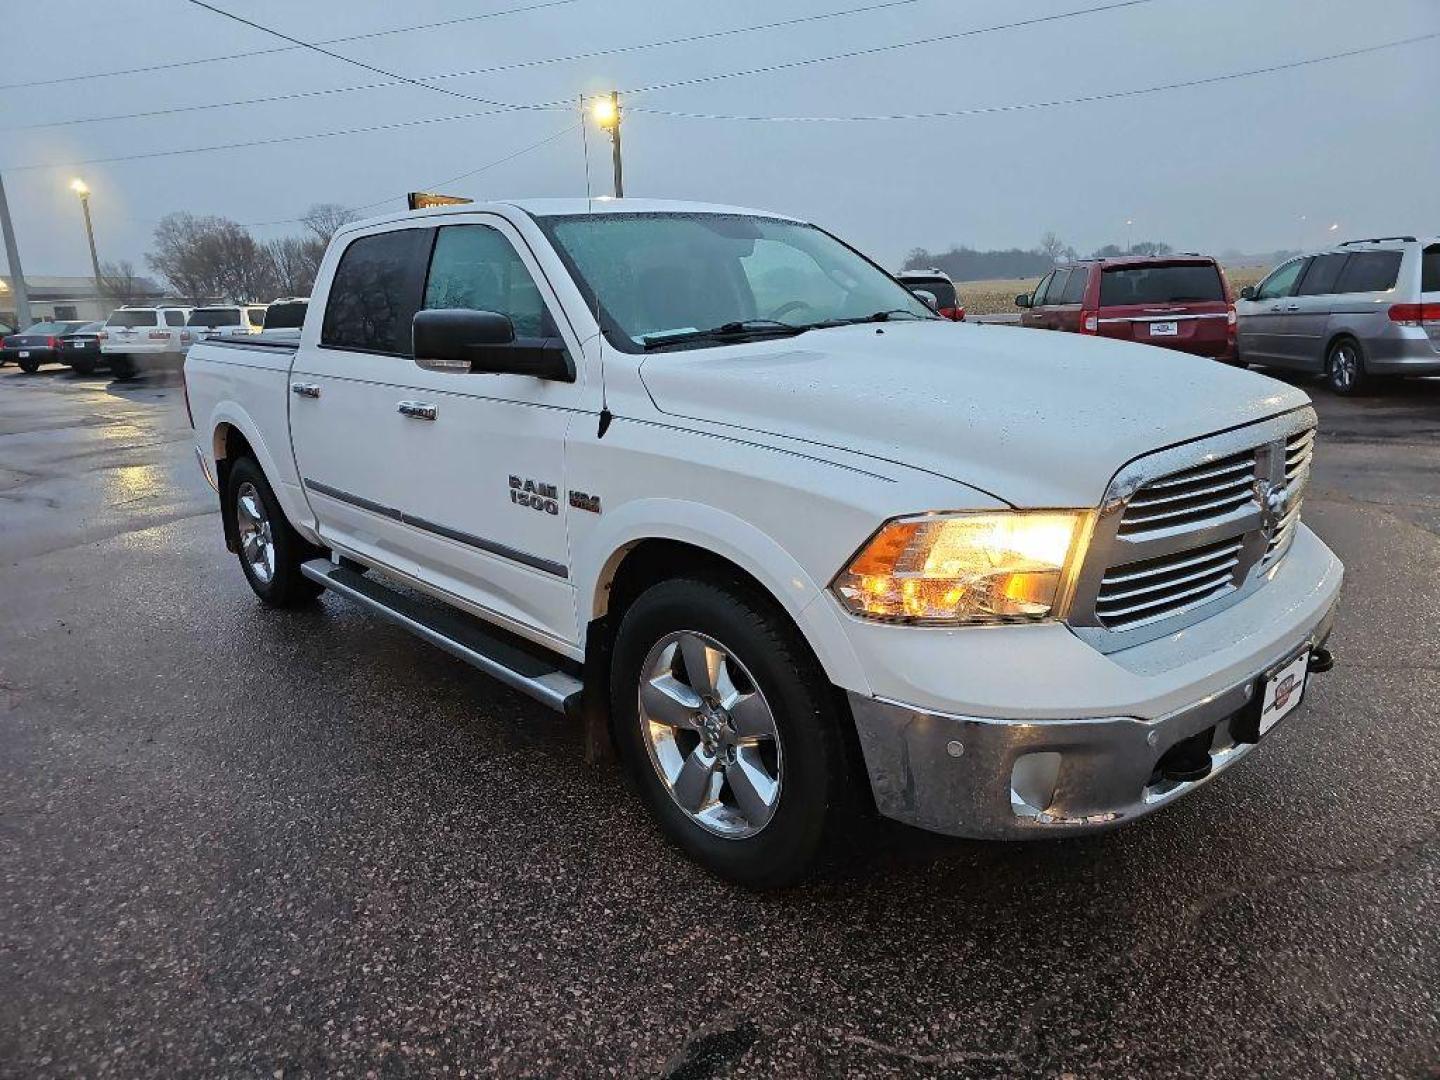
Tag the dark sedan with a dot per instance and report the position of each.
(41, 343)
(80, 348)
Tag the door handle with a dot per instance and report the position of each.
(1293, 307)
(305, 389)
(416, 410)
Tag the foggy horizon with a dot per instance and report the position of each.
(1251, 164)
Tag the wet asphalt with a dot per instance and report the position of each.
(235, 842)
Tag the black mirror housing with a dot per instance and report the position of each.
(483, 342)
(1023, 300)
(1247, 293)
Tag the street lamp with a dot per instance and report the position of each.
(605, 110)
(83, 190)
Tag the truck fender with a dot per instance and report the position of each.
(231, 414)
(597, 557)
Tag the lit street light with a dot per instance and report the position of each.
(605, 110)
(83, 190)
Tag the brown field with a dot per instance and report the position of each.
(997, 296)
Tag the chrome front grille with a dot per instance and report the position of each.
(1192, 496)
(1184, 532)
(1164, 586)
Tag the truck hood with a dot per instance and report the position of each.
(1036, 419)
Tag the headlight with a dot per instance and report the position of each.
(967, 568)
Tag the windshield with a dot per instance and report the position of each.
(211, 317)
(144, 317)
(669, 273)
(1160, 284)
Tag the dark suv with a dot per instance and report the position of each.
(1174, 301)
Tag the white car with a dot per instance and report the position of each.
(225, 320)
(140, 338)
(718, 484)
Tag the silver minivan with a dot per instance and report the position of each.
(1366, 307)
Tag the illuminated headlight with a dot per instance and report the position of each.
(967, 568)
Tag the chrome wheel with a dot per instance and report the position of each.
(1344, 368)
(257, 547)
(710, 734)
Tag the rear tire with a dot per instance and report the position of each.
(1345, 368)
(730, 730)
(29, 366)
(83, 367)
(121, 366)
(271, 551)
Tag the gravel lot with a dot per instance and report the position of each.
(241, 843)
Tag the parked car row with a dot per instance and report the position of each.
(1361, 309)
(136, 338)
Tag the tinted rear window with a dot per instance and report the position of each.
(284, 316)
(376, 292)
(1369, 271)
(1183, 283)
(942, 290)
(1056, 289)
(1323, 273)
(215, 317)
(46, 328)
(1075, 287)
(132, 318)
(1430, 270)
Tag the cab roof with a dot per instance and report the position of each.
(559, 207)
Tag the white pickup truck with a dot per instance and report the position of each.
(797, 548)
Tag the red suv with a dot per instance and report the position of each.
(1175, 301)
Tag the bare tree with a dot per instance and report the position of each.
(1052, 246)
(295, 261)
(326, 219)
(120, 284)
(211, 258)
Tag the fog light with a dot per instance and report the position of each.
(1032, 781)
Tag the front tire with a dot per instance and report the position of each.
(270, 550)
(1345, 368)
(730, 730)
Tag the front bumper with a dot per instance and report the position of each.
(1007, 777)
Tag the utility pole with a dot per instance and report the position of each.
(606, 111)
(12, 256)
(82, 189)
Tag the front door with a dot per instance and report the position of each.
(1263, 323)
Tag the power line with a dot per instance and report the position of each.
(349, 60)
(513, 66)
(688, 39)
(285, 48)
(438, 183)
(259, 142)
(933, 39)
(1113, 95)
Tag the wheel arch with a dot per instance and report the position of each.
(234, 434)
(658, 543)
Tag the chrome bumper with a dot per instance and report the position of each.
(1008, 779)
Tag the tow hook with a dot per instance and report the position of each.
(1321, 660)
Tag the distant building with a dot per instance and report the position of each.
(69, 298)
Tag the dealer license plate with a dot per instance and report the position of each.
(24, 354)
(1164, 329)
(1283, 691)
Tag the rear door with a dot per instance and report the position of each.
(1263, 323)
(1308, 326)
(1177, 305)
(1065, 308)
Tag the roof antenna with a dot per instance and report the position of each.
(605, 415)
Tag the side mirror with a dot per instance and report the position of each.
(1247, 293)
(926, 297)
(483, 342)
(1023, 300)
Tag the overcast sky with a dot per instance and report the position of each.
(1251, 164)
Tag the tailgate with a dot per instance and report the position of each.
(1198, 328)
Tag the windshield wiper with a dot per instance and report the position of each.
(730, 331)
(873, 317)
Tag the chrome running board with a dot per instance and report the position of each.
(460, 635)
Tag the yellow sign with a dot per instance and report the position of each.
(419, 200)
